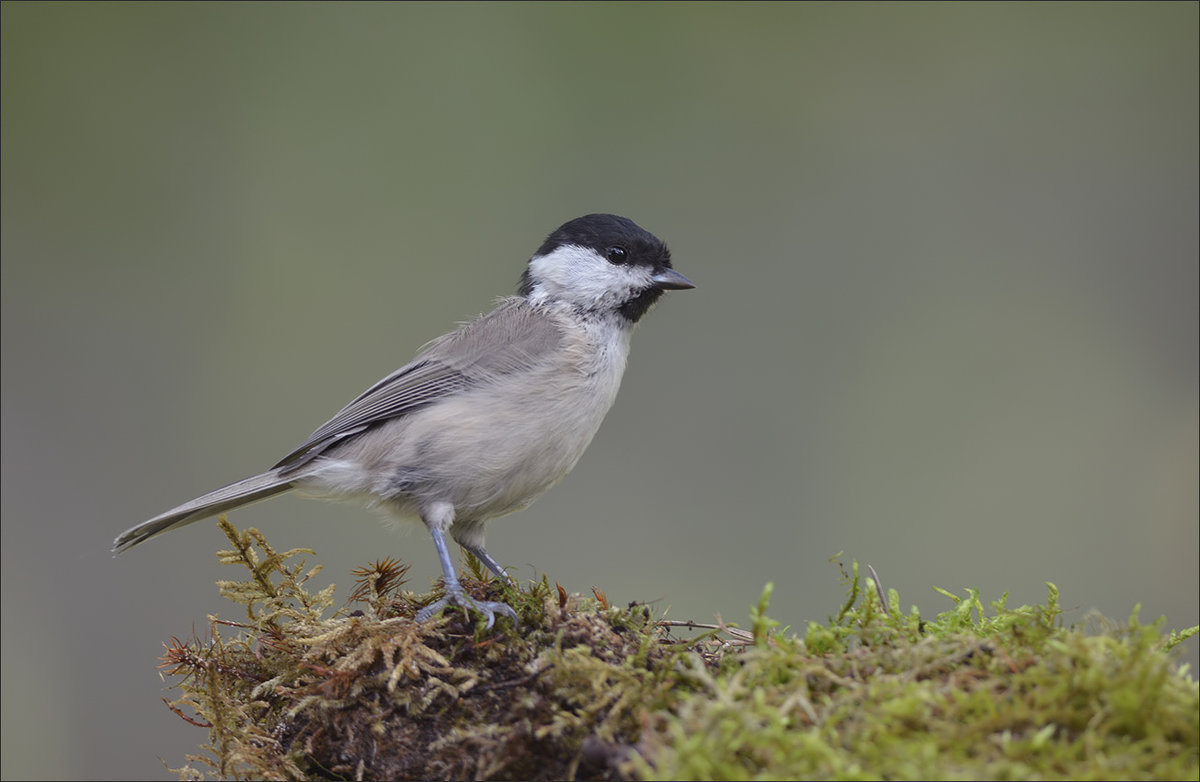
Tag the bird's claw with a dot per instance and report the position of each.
(460, 598)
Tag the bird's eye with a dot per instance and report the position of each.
(616, 255)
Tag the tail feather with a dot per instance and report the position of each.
(235, 495)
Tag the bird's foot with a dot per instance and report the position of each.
(456, 596)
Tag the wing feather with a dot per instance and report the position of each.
(514, 337)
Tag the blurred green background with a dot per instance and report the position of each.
(946, 318)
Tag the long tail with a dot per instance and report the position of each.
(244, 492)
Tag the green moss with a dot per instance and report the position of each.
(582, 689)
(875, 693)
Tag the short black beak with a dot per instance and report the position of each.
(671, 280)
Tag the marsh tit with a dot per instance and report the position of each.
(487, 417)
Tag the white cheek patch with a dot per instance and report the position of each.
(581, 276)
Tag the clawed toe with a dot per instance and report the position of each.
(462, 599)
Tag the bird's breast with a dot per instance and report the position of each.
(493, 449)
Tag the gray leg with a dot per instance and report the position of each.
(454, 591)
(487, 559)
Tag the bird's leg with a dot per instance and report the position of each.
(481, 554)
(454, 591)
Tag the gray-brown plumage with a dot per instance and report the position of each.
(487, 417)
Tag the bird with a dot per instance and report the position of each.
(485, 418)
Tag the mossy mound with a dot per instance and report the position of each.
(585, 690)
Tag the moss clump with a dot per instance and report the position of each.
(585, 690)
(876, 693)
(369, 693)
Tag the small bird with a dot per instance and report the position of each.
(486, 418)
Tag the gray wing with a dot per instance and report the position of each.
(511, 338)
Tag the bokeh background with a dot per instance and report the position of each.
(946, 319)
